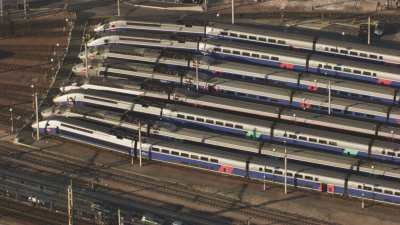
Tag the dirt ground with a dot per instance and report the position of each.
(29, 54)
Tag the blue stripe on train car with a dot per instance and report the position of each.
(374, 196)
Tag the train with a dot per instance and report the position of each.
(252, 128)
(263, 93)
(229, 163)
(242, 52)
(168, 131)
(115, 57)
(268, 37)
(191, 97)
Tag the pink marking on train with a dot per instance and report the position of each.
(384, 82)
(226, 169)
(286, 66)
(312, 88)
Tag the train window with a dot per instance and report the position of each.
(278, 172)
(210, 121)
(252, 96)
(312, 139)
(228, 124)
(337, 68)
(264, 57)
(78, 128)
(397, 193)
(328, 67)
(224, 33)
(380, 57)
(282, 42)
(285, 134)
(245, 53)
(99, 99)
(219, 123)
(334, 50)
(268, 170)
(373, 56)
(367, 73)
(358, 114)
(324, 108)
(324, 142)
(347, 70)
(243, 36)
(200, 119)
(367, 188)
(389, 192)
(274, 58)
(174, 153)
(359, 186)
(271, 40)
(319, 65)
(298, 176)
(260, 169)
(348, 112)
(327, 49)
(357, 71)
(154, 149)
(383, 152)
(377, 190)
(236, 52)
(302, 138)
(252, 37)
(363, 55)
(262, 39)
(255, 55)
(390, 153)
(184, 155)
(333, 143)
(292, 136)
(374, 74)
(263, 98)
(181, 116)
(217, 49)
(308, 177)
(353, 53)
(194, 156)
(398, 154)
(203, 158)
(289, 174)
(190, 117)
(233, 34)
(238, 126)
(226, 50)
(165, 151)
(344, 51)
(214, 160)
(316, 178)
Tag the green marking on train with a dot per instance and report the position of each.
(349, 151)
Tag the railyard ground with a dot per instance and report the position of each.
(328, 208)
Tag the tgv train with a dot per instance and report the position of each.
(177, 95)
(229, 163)
(118, 58)
(264, 36)
(243, 126)
(323, 65)
(168, 131)
(264, 93)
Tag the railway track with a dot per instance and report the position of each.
(74, 168)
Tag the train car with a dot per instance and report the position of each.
(229, 163)
(236, 125)
(268, 37)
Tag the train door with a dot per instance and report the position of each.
(331, 188)
(225, 169)
(323, 187)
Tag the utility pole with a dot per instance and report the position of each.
(1, 10)
(285, 170)
(205, 6)
(36, 108)
(12, 122)
(329, 97)
(70, 204)
(86, 59)
(119, 216)
(118, 8)
(369, 30)
(265, 176)
(25, 8)
(140, 144)
(197, 74)
(233, 11)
